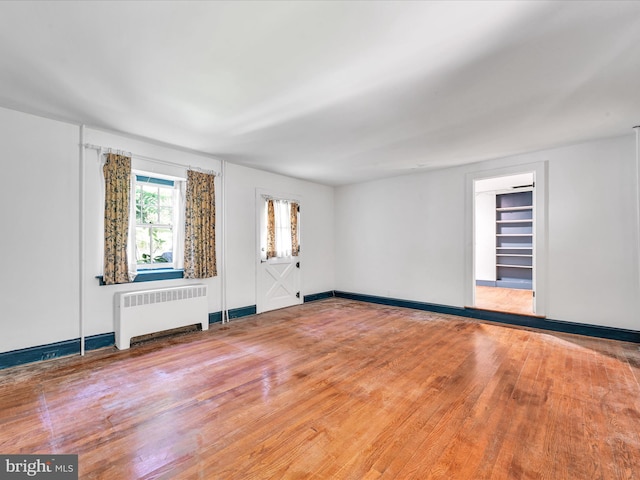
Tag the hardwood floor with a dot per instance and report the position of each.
(509, 300)
(337, 389)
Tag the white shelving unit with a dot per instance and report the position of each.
(514, 240)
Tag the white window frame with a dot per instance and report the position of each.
(177, 226)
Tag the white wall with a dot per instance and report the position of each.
(485, 236)
(593, 243)
(40, 198)
(39, 241)
(316, 231)
(403, 237)
(99, 317)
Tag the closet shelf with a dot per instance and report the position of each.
(516, 247)
(513, 209)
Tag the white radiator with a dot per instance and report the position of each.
(150, 311)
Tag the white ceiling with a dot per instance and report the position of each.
(334, 92)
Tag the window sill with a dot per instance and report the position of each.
(152, 275)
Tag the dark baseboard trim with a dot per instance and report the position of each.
(65, 348)
(70, 347)
(102, 340)
(611, 333)
(319, 296)
(242, 311)
(552, 325)
(41, 352)
(394, 302)
(485, 283)
(54, 350)
(216, 317)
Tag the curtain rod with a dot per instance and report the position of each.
(283, 199)
(100, 148)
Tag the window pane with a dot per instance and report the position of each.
(155, 203)
(166, 197)
(138, 204)
(143, 245)
(283, 228)
(162, 240)
(148, 205)
(166, 216)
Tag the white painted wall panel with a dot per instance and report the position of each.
(593, 244)
(485, 236)
(403, 236)
(39, 241)
(40, 197)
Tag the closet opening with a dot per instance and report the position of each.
(504, 243)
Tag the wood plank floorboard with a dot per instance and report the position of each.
(337, 389)
(510, 300)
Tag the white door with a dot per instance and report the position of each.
(278, 278)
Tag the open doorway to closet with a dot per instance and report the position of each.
(504, 246)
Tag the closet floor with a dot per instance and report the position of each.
(505, 300)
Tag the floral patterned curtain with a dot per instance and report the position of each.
(117, 181)
(295, 246)
(271, 230)
(200, 226)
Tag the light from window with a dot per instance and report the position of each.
(155, 203)
(279, 236)
(282, 210)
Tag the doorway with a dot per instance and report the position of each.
(506, 235)
(505, 243)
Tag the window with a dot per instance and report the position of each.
(148, 243)
(281, 236)
(156, 222)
